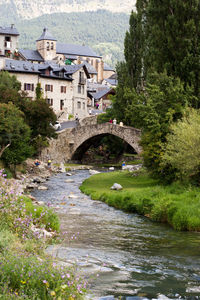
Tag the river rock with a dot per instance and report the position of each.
(38, 180)
(93, 172)
(69, 180)
(31, 186)
(73, 196)
(131, 167)
(68, 174)
(42, 187)
(116, 186)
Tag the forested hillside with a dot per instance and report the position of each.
(102, 30)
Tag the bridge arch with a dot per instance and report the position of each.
(72, 141)
(86, 136)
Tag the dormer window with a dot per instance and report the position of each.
(52, 46)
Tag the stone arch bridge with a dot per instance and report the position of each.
(72, 143)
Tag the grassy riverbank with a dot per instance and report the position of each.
(26, 272)
(175, 204)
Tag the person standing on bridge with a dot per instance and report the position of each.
(114, 122)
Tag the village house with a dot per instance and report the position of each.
(8, 41)
(62, 70)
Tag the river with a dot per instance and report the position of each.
(126, 256)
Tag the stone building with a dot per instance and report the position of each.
(63, 87)
(48, 49)
(8, 41)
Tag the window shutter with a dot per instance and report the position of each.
(51, 88)
(32, 87)
(25, 86)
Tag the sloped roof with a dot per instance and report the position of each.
(71, 49)
(102, 93)
(20, 66)
(71, 69)
(111, 81)
(31, 54)
(46, 35)
(90, 68)
(9, 30)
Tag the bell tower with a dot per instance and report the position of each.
(46, 45)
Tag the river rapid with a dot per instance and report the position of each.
(124, 256)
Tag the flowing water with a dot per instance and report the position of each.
(125, 255)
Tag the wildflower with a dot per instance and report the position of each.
(52, 293)
(23, 282)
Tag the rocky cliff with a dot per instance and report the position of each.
(27, 9)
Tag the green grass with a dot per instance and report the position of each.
(175, 204)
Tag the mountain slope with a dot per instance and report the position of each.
(26, 9)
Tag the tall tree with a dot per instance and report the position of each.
(133, 50)
(173, 39)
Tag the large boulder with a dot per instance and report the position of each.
(116, 186)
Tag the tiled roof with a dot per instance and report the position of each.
(112, 82)
(13, 65)
(9, 30)
(102, 93)
(91, 69)
(33, 55)
(20, 66)
(46, 35)
(71, 49)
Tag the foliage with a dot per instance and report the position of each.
(38, 91)
(173, 40)
(175, 204)
(42, 216)
(183, 144)
(14, 135)
(23, 273)
(133, 49)
(160, 75)
(36, 114)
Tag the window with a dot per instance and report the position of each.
(82, 89)
(81, 77)
(63, 89)
(49, 101)
(79, 88)
(61, 104)
(28, 87)
(48, 87)
(51, 45)
(48, 46)
(79, 104)
(83, 105)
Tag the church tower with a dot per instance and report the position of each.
(46, 45)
